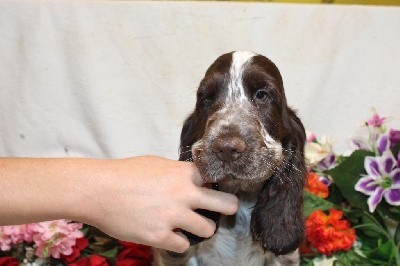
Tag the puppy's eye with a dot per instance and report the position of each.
(261, 95)
(205, 102)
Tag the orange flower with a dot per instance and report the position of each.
(306, 250)
(328, 233)
(315, 186)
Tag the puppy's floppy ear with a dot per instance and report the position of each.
(187, 139)
(277, 221)
(191, 132)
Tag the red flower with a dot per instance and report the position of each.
(81, 243)
(305, 249)
(93, 260)
(315, 186)
(9, 261)
(328, 233)
(134, 255)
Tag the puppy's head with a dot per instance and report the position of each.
(240, 122)
(243, 136)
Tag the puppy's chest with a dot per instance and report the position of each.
(232, 244)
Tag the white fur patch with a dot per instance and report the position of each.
(271, 143)
(239, 61)
(233, 246)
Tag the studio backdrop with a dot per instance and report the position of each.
(112, 79)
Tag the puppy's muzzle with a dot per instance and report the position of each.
(228, 148)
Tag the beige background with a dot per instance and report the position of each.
(117, 78)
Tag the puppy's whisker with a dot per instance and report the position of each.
(183, 152)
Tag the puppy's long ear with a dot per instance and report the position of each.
(191, 132)
(277, 221)
(188, 137)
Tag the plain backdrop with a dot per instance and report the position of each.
(117, 78)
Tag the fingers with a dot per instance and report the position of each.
(197, 224)
(217, 201)
(197, 178)
(210, 199)
(176, 242)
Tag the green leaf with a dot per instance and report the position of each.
(395, 211)
(110, 253)
(383, 252)
(379, 226)
(388, 210)
(397, 234)
(396, 149)
(335, 195)
(352, 258)
(313, 203)
(306, 262)
(346, 175)
(86, 253)
(85, 230)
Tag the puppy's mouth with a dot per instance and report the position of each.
(228, 177)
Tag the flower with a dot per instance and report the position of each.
(398, 160)
(383, 143)
(374, 171)
(325, 261)
(306, 250)
(81, 243)
(375, 126)
(376, 121)
(327, 163)
(317, 151)
(134, 255)
(5, 240)
(93, 260)
(315, 186)
(394, 137)
(310, 136)
(20, 233)
(328, 233)
(9, 261)
(56, 238)
(382, 180)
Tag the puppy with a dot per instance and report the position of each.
(245, 139)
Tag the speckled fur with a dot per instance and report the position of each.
(268, 176)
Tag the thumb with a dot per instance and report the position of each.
(198, 180)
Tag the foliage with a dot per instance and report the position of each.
(364, 187)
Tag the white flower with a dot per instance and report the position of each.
(324, 261)
(315, 152)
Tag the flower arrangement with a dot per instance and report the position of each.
(63, 242)
(352, 203)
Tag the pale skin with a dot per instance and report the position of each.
(139, 199)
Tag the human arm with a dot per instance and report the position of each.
(141, 199)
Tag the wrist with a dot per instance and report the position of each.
(85, 202)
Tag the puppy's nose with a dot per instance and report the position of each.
(228, 148)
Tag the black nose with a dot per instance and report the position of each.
(228, 148)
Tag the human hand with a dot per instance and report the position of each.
(143, 199)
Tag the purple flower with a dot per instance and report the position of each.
(328, 162)
(383, 143)
(326, 180)
(394, 136)
(382, 180)
(360, 144)
(398, 160)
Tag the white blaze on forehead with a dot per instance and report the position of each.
(235, 86)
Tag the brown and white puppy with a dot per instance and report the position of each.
(243, 136)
